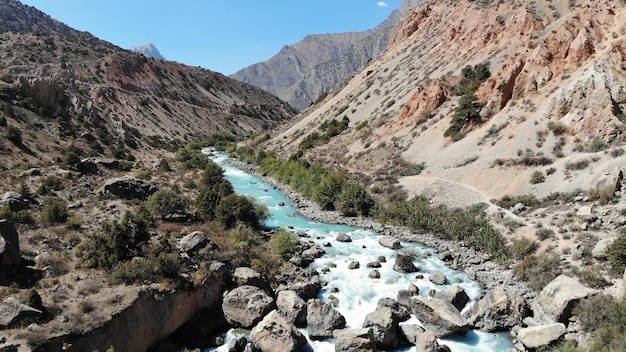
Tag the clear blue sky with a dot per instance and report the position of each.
(220, 35)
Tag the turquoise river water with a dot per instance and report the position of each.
(357, 294)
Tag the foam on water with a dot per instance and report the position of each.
(354, 292)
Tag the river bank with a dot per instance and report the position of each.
(476, 265)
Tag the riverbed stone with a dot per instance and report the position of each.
(374, 274)
(322, 319)
(246, 305)
(454, 294)
(498, 310)
(354, 340)
(275, 333)
(307, 288)
(390, 242)
(343, 237)
(290, 305)
(438, 316)
(559, 297)
(385, 326)
(540, 336)
(404, 263)
(438, 278)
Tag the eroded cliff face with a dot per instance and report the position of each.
(552, 63)
(152, 317)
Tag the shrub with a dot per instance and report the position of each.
(165, 203)
(557, 128)
(18, 217)
(210, 197)
(34, 300)
(598, 145)
(13, 134)
(283, 243)
(539, 270)
(544, 233)
(354, 200)
(507, 202)
(522, 247)
(54, 212)
(616, 253)
(164, 165)
(466, 112)
(537, 177)
(234, 209)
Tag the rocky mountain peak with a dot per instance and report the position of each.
(147, 49)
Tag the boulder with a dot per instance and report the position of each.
(10, 258)
(390, 242)
(354, 340)
(87, 166)
(438, 316)
(275, 333)
(404, 263)
(424, 341)
(399, 310)
(111, 164)
(438, 278)
(247, 276)
(194, 242)
(559, 297)
(246, 305)
(290, 305)
(374, 274)
(354, 265)
(14, 201)
(542, 335)
(342, 237)
(308, 288)
(599, 250)
(128, 188)
(322, 319)
(385, 326)
(30, 172)
(14, 314)
(454, 294)
(313, 253)
(498, 310)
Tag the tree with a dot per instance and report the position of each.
(354, 200)
(283, 243)
(213, 174)
(54, 212)
(234, 209)
(166, 203)
(210, 197)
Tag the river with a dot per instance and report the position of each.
(356, 293)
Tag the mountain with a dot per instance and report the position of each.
(147, 49)
(319, 63)
(70, 83)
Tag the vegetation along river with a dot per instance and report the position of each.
(356, 293)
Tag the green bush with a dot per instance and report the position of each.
(354, 200)
(283, 243)
(146, 270)
(54, 212)
(34, 300)
(557, 128)
(13, 134)
(466, 112)
(616, 253)
(537, 177)
(18, 217)
(539, 270)
(523, 247)
(544, 233)
(235, 209)
(166, 203)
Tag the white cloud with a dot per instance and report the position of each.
(382, 4)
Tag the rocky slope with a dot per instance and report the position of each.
(319, 63)
(552, 121)
(70, 83)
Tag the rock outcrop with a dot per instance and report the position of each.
(275, 333)
(14, 314)
(128, 188)
(10, 258)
